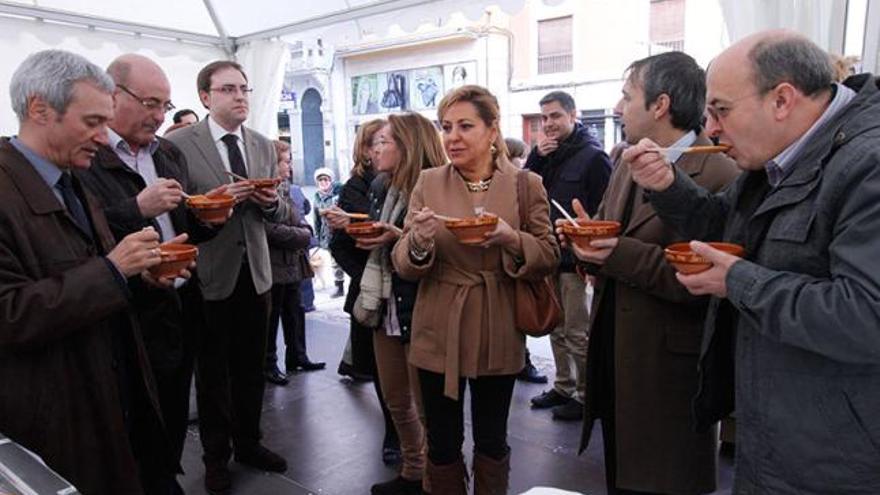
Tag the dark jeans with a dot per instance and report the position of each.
(490, 407)
(307, 293)
(286, 308)
(229, 370)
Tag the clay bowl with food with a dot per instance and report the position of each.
(211, 209)
(590, 230)
(686, 261)
(364, 230)
(266, 183)
(175, 257)
(472, 230)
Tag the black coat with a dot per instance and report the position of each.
(288, 242)
(353, 198)
(578, 169)
(403, 291)
(160, 311)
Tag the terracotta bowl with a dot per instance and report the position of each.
(175, 257)
(472, 230)
(267, 183)
(211, 209)
(686, 261)
(590, 230)
(364, 230)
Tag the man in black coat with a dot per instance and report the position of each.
(140, 179)
(573, 166)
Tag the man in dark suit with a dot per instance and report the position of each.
(235, 275)
(140, 180)
(645, 327)
(77, 386)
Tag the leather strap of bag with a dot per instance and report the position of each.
(522, 198)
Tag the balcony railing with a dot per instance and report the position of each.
(550, 64)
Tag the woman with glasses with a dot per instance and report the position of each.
(358, 360)
(463, 329)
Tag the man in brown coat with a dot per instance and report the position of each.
(77, 388)
(646, 328)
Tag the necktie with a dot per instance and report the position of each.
(73, 204)
(236, 161)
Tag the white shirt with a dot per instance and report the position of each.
(142, 163)
(217, 133)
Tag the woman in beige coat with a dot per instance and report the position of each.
(463, 330)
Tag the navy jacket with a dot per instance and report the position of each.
(578, 169)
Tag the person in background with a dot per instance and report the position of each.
(77, 389)
(304, 208)
(140, 180)
(288, 243)
(645, 328)
(516, 153)
(463, 330)
(791, 333)
(232, 353)
(358, 360)
(572, 165)
(181, 119)
(325, 197)
(185, 116)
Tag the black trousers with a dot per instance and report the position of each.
(490, 407)
(229, 370)
(286, 308)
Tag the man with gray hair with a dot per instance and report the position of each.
(792, 328)
(77, 388)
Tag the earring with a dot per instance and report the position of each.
(493, 150)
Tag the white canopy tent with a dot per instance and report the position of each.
(184, 35)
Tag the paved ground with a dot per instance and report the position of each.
(330, 431)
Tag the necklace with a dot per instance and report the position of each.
(478, 186)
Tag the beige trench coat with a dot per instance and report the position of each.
(463, 322)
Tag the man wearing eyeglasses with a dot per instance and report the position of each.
(236, 274)
(792, 330)
(140, 179)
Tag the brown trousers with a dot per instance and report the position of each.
(400, 389)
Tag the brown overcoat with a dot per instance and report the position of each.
(59, 304)
(658, 328)
(463, 322)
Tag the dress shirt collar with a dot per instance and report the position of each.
(217, 131)
(47, 170)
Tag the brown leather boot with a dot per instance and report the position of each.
(490, 475)
(448, 479)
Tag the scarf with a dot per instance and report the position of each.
(376, 279)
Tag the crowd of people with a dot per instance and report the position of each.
(97, 352)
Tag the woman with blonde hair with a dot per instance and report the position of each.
(407, 145)
(463, 326)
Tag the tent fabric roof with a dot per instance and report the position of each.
(220, 22)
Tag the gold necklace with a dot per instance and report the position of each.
(478, 186)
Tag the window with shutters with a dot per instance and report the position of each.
(554, 45)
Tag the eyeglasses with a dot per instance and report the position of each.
(231, 89)
(151, 104)
(719, 111)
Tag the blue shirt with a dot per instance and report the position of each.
(50, 172)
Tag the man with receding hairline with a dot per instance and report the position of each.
(141, 179)
(794, 326)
